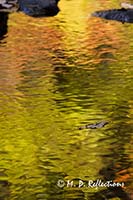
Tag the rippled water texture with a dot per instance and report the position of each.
(57, 74)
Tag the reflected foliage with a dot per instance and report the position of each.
(39, 8)
(57, 75)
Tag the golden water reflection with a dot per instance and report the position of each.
(56, 75)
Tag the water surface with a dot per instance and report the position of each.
(58, 74)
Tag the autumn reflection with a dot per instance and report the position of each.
(103, 42)
(58, 74)
(31, 8)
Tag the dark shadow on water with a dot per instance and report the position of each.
(39, 8)
(125, 14)
(3, 24)
(4, 188)
(32, 8)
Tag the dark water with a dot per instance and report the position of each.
(57, 74)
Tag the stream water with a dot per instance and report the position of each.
(57, 74)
